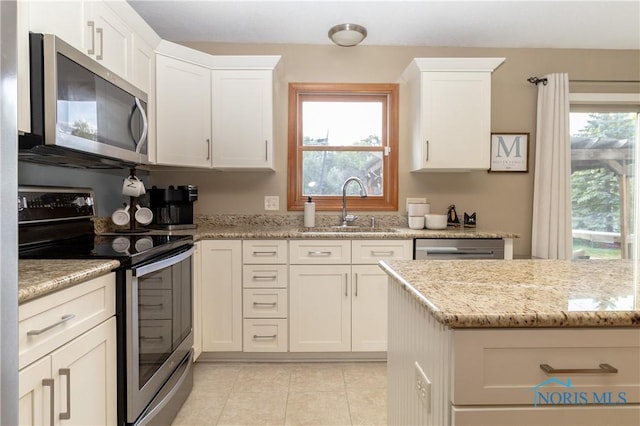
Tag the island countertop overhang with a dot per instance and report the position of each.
(522, 293)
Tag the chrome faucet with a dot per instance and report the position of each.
(346, 219)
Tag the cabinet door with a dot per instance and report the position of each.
(62, 18)
(320, 308)
(242, 119)
(456, 120)
(369, 309)
(36, 394)
(221, 295)
(142, 64)
(84, 371)
(183, 113)
(108, 38)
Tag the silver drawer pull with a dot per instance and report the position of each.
(265, 303)
(382, 253)
(52, 398)
(258, 336)
(63, 319)
(265, 253)
(319, 253)
(265, 277)
(604, 369)
(66, 372)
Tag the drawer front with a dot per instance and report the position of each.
(264, 251)
(503, 366)
(372, 251)
(265, 335)
(264, 276)
(49, 322)
(320, 252)
(265, 303)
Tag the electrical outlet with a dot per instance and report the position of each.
(423, 387)
(414, 201)
(271, 202)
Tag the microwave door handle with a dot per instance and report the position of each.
(145, 127)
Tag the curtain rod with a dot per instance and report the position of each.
(537, 80)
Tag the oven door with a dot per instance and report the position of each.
(159, 326)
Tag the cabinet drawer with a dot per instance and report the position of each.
(503, 366)
(265, 335)
(264, 251)
(320, 252)
(47, 323)
(260, 276)
(372, 251)
(265, 303)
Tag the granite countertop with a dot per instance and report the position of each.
(522, 293)
(37, 278)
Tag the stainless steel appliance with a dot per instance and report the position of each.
(458, 248)
(82, 114)
(173, 207)
(154, 288)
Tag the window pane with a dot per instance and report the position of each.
(342, 123)
(602, 162)
(324, 172)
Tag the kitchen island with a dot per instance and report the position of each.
(525, 342)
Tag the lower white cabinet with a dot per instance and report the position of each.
(75, 383)
(368, 309)
(221, 304)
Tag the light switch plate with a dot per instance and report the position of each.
(423, 387)
(271, 202)
(414, 201)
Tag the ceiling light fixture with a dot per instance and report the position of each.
(347, 35)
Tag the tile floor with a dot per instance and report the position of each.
(287, 394)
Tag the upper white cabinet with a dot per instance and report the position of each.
(450, 112)
(237, 133)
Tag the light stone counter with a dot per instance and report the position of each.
(522, 293)
(37, 278)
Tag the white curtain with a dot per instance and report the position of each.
(551, 229)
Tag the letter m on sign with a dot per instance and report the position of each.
(503, 147)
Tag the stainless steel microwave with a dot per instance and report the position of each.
(82, 114)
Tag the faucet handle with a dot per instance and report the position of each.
(350, 218)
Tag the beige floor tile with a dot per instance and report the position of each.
(317, 408)
(254, 408)
(317, 378)
(368, 407)
(365, 376)
(263, 378)
(209, 377)
(201, 408)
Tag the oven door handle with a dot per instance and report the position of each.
(161, 264)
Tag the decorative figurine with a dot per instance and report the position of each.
(470, 220)
(452, 216)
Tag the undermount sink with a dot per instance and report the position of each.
(340, 229)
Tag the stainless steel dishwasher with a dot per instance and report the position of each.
(458, 248)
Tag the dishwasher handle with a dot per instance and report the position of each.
(456, 252)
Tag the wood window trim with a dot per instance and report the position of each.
(389, 200)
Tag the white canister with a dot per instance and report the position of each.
(309, 214)
(419, 209)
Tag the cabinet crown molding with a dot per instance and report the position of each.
(457, 64)
(219, 62)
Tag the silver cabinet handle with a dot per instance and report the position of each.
(265, 277)
(265, 253)
(319, 253)
(66, 372)
(382, 253)
(266, 150)
(271, 336)
(208, 149)
(346, 284)
(101, 55)
(265, 303)
(92, 26)
(49, 382)
(63, 319)
(427, 158)
(603, 368)
(356, 280)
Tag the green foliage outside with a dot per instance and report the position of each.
(84, 130)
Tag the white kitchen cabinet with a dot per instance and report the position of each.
(183, 113)
(242, 119)
(67, 356)
(221, 269)
(450, 112)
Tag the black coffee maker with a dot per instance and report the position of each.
(173, 207)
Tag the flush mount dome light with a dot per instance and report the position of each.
(347, 35)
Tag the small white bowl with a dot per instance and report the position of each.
(418, 209)
(416, 222)
(435, 221)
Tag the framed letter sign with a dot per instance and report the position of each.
(509, 152)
